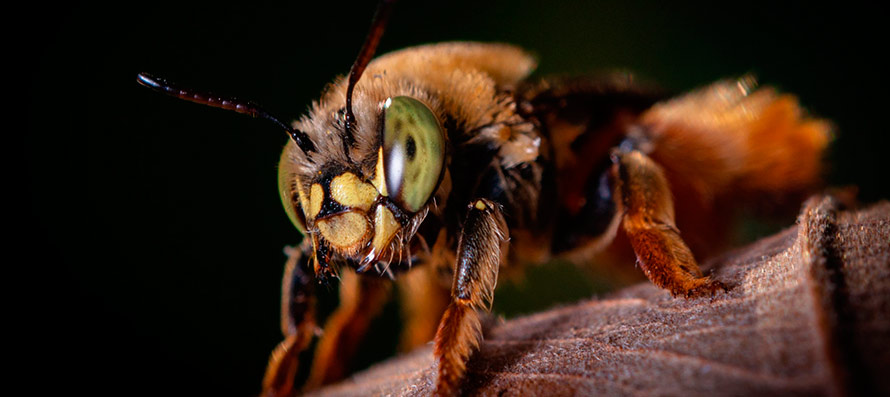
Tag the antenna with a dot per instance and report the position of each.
(229, 103)
(381, 17)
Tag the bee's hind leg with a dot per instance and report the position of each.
(648, 221)
(479, 252)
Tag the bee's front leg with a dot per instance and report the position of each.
(649, 224)
(297, 324)
(479, 253)
(362, 298)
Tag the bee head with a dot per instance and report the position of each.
(360, 198)
(366, 215)
(369, 214)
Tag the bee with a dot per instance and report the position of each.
(441, 165)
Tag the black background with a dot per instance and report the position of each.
(153, 230)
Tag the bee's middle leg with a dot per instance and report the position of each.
(479, 253)
(424, 298)
(649, 223)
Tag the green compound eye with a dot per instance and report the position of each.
(287, 189)
(413, 151)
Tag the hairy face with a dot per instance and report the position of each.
(361, 194)
(370, 214)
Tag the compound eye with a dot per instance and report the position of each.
(291, 194)
(413, 152)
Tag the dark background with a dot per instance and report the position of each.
(153, 231)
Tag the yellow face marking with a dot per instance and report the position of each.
(316, 196)
(345, 232)
(385, 227)
(480, 205)
(351, 192)
(379, 180)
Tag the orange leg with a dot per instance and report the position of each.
(423, 300)
(479, 253)
(297, 325)
(361, 299)
(649, 224)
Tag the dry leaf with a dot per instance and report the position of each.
(808, 314)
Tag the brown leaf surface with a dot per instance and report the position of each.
(808, 314)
